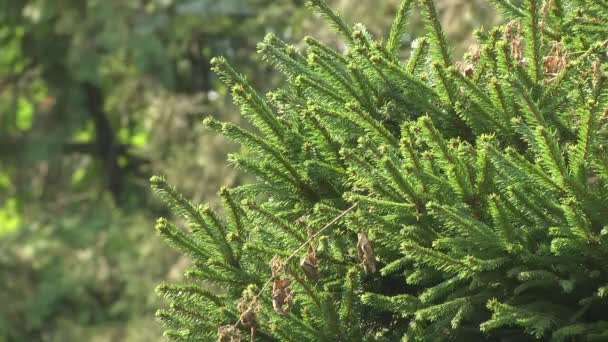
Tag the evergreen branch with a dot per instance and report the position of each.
(509, 8)
(403, 184)
(419, 47)
(315, 44)
(448, 88)
(481, 95)
(403, 304)
(374, 183)
(577, 157)
(176, 201)
(321, 7)
(570, 332)
(249, 139)
(466, 225)
(534, 37)
(436, 312)
(422, 91)
(502, 222)
(378, 204)
(348, 312)
(167, 319)
(504, 314)
(533, 173)
(310, 115)
(340, 76)
(507, 160)
(374, 124)
(422, 95)
(527, 204)
(191, 292)
(320, 87)
(363, 82)
(181, 241)
(285, 58)
(338, 116)
(460, 173)
(230, 281)
(254, 106)
(483, 165)
(577, 220)
(434, 26)
(181, 206)
(434, 259)
(225, 247)
(394, 41)
(484, 105)
(264, 171)
(443, 289)
(411, 154)
(234, 212)
(394, 266)
(277, 221)
(534, 117)
(506, 105)
(551, 155)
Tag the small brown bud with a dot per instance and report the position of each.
(466, 69)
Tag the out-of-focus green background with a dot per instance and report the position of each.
(95, 97)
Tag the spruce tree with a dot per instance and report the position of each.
(416, 200)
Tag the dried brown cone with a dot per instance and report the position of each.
(309, 265)
(228, 333)
(366, 253)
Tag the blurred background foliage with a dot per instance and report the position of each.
(95, 97)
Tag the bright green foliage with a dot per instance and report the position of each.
(482, 186)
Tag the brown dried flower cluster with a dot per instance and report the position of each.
(228, 333)
(513, 35)
(556, 61)
(544, 12)
(282, 296)
(248, 306)
(467, 67)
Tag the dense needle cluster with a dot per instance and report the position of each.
(480, 187)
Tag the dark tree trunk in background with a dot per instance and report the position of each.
(108, 149)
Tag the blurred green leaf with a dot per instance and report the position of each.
(9, 217)
(25, 114)
(79, 175)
